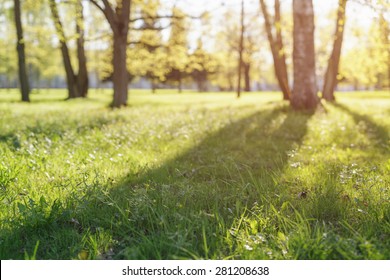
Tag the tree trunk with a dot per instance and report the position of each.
(82, 76)
(247, 77)
(277, 48)
(120, 77)
(70, 76)
(199, 85)
(180, 82)
(23, 78)
(240, 50)
(330, 79)
(118, 18)
(282, 67)
(304, 94)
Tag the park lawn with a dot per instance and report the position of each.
(194, 176)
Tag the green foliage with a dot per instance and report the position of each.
(367, 64)
(146, 58)
(194, 176)
(177, 56)
(202, 65)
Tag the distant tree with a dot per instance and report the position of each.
(241, 48)
(77, 83)
(226, 74)
(43, 61)
(277, 47)
(202, 65)
(332, 71)
(177, 49)
(304, 95)
(145, 58)
(366, 64)
(228, 49)
(247, 61)
(384, 26)
(20, 46)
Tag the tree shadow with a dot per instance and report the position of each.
(228, 172)
(165, 212)
(378, 135)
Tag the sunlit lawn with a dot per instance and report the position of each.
(191, 176)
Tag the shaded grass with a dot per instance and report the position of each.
(195, 176)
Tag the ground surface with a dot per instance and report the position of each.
(194, 176)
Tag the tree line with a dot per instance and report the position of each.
(136, 47)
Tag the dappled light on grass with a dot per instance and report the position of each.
(199, 177)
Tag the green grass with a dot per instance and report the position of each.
(194, 176)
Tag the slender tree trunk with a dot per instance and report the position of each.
(330, 79)
(241, 50)
(180, 80)
(281, 54)
(23, 78)
(305, 86)
(70, 75)
(277, 48)
(82, 76)
(247, 77)
(231, 81)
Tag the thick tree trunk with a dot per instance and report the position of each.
(202, 84)
(330, 79)
(277, 48)
(247, 77)
(118, 18)
(304, 94)
(70, 75)
(199, 85)
(120, 77)
(82, 76)
(23, 78)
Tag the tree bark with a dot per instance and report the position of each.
(304, 94)
(70, 75)
(247, 77)
(120, 77)
(277, 48)
(23, 78)
(330, 79)
(82, 75)
(118, 20)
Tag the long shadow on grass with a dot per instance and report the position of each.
(378, 134)
(175, 208)
(181, 209)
